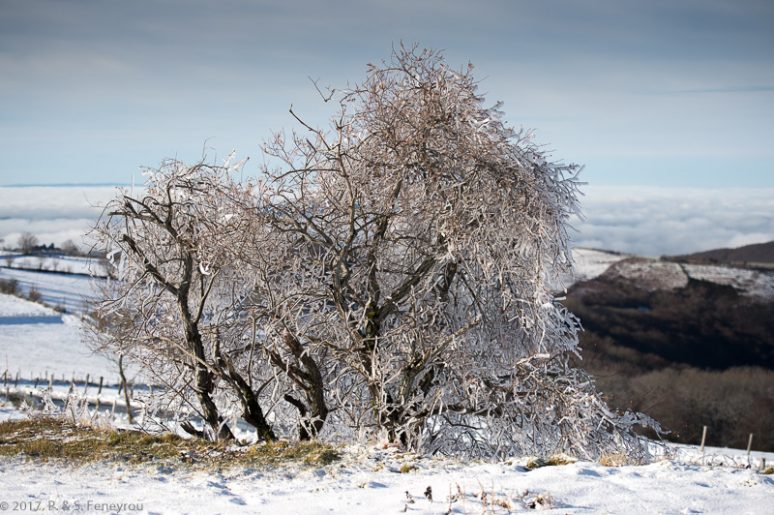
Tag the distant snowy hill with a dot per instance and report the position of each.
(759, 253)
(657, 274)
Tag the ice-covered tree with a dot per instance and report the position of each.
(175, 307)
(389, 275)
(425, 236)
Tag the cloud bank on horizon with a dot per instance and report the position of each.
(646, 221)
(659, 92)
(53, 214)
(654, 221)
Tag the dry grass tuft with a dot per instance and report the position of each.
(407, 467)
(551, 461)
(614, 460)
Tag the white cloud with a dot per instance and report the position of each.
(667, 221)
(53, 214)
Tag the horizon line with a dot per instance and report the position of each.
(64, 184)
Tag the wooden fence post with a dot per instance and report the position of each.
(749, 448)
(127, 396)
(703, 438)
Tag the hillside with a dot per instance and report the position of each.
(688, 344)
(751, 255)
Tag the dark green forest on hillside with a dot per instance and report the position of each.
(689, 357)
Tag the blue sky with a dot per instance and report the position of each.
(659, 93)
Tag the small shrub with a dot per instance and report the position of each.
(9, 286)
(407, 467)
(324, 456)
(22, 400)
(34, 295)
(273, 453)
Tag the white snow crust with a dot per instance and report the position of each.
(369, 481)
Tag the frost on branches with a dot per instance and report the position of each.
(388, 277)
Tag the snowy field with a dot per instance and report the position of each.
(41, 350)
(37, 342)
(66, 291)
(370, 481)
(55, 263)
(13, 309)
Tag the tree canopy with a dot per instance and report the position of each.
(390, 275)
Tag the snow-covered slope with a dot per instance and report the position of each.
(56, 263)
(12, 306)
(749, 282)
(653, 273)
(36, 342)
(370, 482)
(591, 263)
(650, 274)
(69, 292)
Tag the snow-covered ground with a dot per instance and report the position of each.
(37, 342)
(591, 263)
(70, 292)
(370, 481)
(56, 263)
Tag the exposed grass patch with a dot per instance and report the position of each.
(551, 461)
(614, 460)
(407, 467)
(769, 470)
(309, 453)
(55, 439)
